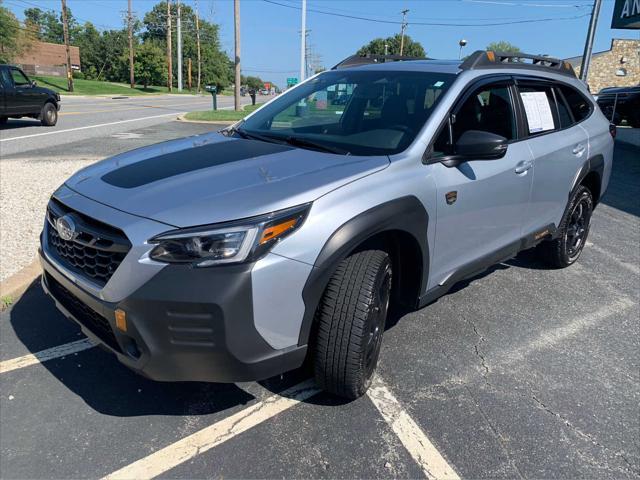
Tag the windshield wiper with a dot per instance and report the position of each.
(304, 142)
(255, 136)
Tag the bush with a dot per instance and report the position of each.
(78, 75)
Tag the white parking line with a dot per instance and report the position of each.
(175, 114)
(621, 263)
(44, 355)
(179, 452)
(410, 434)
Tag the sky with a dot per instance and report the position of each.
(270, 29)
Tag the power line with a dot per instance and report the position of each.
(430, 24)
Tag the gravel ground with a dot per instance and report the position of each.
(24, 189)
(29, 177)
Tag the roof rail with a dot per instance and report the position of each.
(368, 58)
(490, 59)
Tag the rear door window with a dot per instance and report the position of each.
(541, 112)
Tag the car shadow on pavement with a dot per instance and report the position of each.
(100, 379)
(13, 123)
(624, 185)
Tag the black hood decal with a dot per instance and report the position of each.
(188, 160)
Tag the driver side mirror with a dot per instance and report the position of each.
(33, 84)
(480, 145)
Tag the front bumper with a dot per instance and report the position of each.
(184, 324)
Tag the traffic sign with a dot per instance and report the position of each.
(291, 81)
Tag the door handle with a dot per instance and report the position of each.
(579, 149)
(523, 166)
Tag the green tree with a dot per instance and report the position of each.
(254, 82)
(216, 66)
(13, 38)
(47, 25)
(503, 47)
(150, 67)
(89, 40)
(376, 46)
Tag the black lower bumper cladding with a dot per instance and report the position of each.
(184, 324)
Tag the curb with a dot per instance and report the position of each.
(217, 122)
(14, 286)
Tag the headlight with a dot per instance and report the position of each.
(232, 242)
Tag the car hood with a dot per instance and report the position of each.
(212, 178)
(612, 90)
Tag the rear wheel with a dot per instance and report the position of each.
(351, 320)
(573, 231)
(49, 115)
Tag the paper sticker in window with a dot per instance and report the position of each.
(538, 111)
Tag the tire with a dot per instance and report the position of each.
(3, 120)
(49, 115)
(350, 323)
(572, 233)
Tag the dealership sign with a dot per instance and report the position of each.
(626, 14)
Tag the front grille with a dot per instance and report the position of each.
(96, 251)
(88, 317)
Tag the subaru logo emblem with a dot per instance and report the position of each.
(66, 227)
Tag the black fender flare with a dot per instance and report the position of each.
(593, 164)
(405, 214)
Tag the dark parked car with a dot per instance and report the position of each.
(21, 97)
(621, 103)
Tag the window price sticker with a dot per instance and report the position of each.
(538, 110)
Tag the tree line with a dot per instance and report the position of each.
(104, 54)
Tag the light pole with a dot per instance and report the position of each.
(303, 39)
(462, 43)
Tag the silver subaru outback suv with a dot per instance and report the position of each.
(287, 238)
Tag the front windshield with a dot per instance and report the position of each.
(354, 112)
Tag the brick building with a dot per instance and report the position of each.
(47, 59)
(617, 67)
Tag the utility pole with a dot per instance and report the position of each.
(65, 31)
(189, 73)
(588, 46)
(237, 81)
(179, 25)
(169, 53)
(403, 27)
(303, 38)
(132, 79)
(198, 43)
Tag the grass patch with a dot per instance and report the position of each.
(221, 115)
(96, 87)
(5, 302)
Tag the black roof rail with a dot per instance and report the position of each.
(368, 58)
(490, 59)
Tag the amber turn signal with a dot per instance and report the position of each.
(121, 320)
(274, 231)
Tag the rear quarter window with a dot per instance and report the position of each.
(580, 107)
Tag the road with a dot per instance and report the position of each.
(99, 117)
(521, 372)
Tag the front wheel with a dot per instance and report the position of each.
(350, 322)
(49, 115)
(572, 233)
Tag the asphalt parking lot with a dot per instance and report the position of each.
(521, 372)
